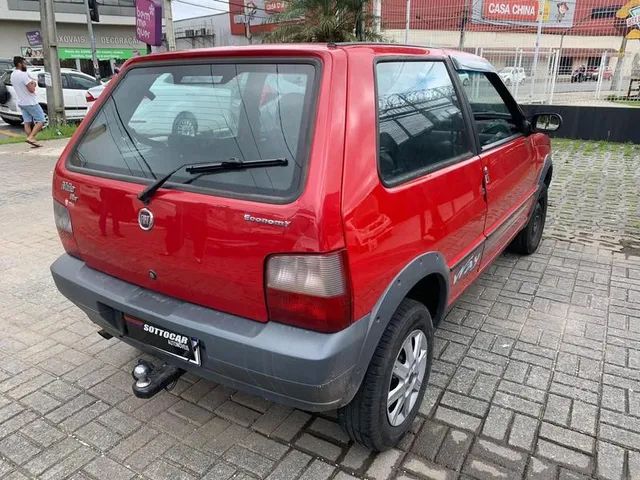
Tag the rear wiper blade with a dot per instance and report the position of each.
(202, 168)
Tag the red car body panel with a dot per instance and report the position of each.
(201, 248)
(204, 252)
(386, 228)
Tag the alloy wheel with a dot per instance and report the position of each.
(407, 376)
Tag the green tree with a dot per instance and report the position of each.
(324, 21)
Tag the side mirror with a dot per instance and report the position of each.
(546, 122)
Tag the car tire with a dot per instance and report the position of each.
(46, 115)
(367, 419)
(12, 121)
(185, 124)
(528, 240)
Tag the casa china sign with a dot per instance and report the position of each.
(149, 22)
(513, 10)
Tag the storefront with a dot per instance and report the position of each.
(114, 43)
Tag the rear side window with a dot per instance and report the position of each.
(495, 120)
(78, 82)
(161, 117)
(420, 123)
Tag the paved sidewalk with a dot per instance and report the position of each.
(536, 372)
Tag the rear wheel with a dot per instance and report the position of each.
(528, 240)
(393, 387)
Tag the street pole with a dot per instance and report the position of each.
(55, 102)
(168, 21)
(407, 25)
(94, 53)
(536, 52)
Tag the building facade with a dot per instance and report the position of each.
(115, 33)
(206, 31)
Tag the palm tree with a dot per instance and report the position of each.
(324, 21)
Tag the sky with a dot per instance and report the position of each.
(187, 10)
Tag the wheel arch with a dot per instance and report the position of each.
(417, 281)
(547, 172)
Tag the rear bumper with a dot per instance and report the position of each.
(10, 114)
(302, 368)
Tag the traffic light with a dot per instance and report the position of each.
(93, 11)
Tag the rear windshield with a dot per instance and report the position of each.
(161, 117)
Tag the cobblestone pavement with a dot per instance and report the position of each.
(536, 373)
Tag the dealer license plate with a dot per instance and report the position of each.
(177, 344)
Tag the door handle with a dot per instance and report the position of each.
(487, 178)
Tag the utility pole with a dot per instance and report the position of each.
(407, 24)
(616, 81)
(536, 52)
(377, 16)
(463, 24)
(168, 21)
(55, 102)
(250, 10)
(94, 53)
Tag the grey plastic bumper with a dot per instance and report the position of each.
(302, 368)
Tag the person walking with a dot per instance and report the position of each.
(27, 100)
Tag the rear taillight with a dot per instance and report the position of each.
(309, 291)
(65, 228)
(89, 97)
(62, 217)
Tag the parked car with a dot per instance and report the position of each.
(6, 64)
(74, 86)
(305, 251)
(93, 94)
(512, 75)
(607, 73)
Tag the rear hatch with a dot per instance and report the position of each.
(203, 238)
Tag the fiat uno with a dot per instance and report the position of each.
(293, 221)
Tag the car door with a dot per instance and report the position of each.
(69, 96)
(508, 160)
(428, 185)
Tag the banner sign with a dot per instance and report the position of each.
(274, 6)
(31, 52)
(34, 38)
(633, 20)
(523, 10)
(630, 13)
(69, 53)
(149, 22)
(555, 13)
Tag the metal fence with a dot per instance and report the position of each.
(584, 52)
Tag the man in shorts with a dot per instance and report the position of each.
(27, 100)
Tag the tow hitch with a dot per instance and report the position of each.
(150, 379)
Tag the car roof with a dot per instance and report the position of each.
(40, 69)
(461, 60)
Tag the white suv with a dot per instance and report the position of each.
(512, 75)
(74, 88)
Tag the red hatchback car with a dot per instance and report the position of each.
(293, 220)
